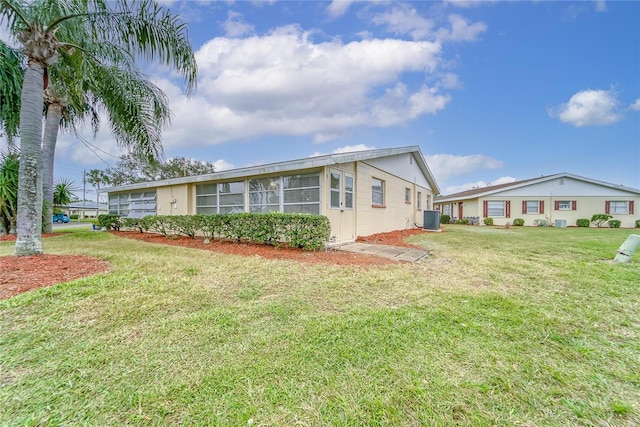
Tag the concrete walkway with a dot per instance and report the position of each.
(397, 253)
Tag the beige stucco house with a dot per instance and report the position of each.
(362, 193)
(561, 199)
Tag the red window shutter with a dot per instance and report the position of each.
(459, 210)
(508, 209)
(631, 207)
(541, 207)
(485, 208)
(607, 207)
(574, 205)
(524, 206)
(556, 205)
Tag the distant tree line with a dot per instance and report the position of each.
(131, 169)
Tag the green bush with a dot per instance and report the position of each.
(463, 221)
(74, 216)
(444, 219)
(583, 222)
(110, 222)
(637, 223)
(614, 223)
(518, 222)
(488, 221)
(600, 219)
(298, 230)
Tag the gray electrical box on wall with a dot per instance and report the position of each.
(431, 220)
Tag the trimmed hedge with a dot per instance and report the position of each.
(445, 219)
(488, 221)
(583, 222)
(518, 222)
(306, 231)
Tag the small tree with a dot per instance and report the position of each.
(600, 219)
(63, 192)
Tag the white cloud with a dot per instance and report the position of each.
(405, 20)
(588, 108)
(222, 165)
(635, 106)
(477, 184)
(235, 26)
(338, 8)
(444, 166)
(468, 3)
(284, 83)
(346, 149)
(601, 6)
(461, 30)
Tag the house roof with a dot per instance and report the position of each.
(486, 191)
(87, 204)
(290, 165)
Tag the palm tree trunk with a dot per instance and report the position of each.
(52, 125)
(29, 224)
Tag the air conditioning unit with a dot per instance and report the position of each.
(431, 220)
(562, 223)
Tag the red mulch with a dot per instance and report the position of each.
(24, 273)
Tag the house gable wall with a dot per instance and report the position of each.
(564, 187)
(402, 166)
(395, 214)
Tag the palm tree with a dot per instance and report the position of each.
(63, 192)
(48, 28)
(8, 190)
(11, 73)
(137, 111)
(95, 177)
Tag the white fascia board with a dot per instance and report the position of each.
(315, 162)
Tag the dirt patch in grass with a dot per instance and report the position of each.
(24, 273)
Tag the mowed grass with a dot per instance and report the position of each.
(521, 326)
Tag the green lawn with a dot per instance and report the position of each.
(508, 327)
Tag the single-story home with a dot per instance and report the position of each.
(362, 193)
(561, 199)
(85, 209)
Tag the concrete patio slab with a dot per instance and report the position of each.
(397, 253)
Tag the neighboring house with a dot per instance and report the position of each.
(362, 193)
(86, 209)
(562, 199)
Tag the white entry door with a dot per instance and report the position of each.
(342, 200)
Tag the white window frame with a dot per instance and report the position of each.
(496, 208)
(407, 195)
(618, 207)
(564, 205)
(533, 207)
(377, 194)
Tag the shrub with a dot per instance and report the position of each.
(110, 222)
(488, 221)
(74, 216)
(463, 221)
(583, 222)
(637, 223)
(299, 230)
(600, 219)
(518, 222)
(444, 219)
(542, 223)
(614, 223)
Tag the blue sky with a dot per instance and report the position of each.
(490, 91)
